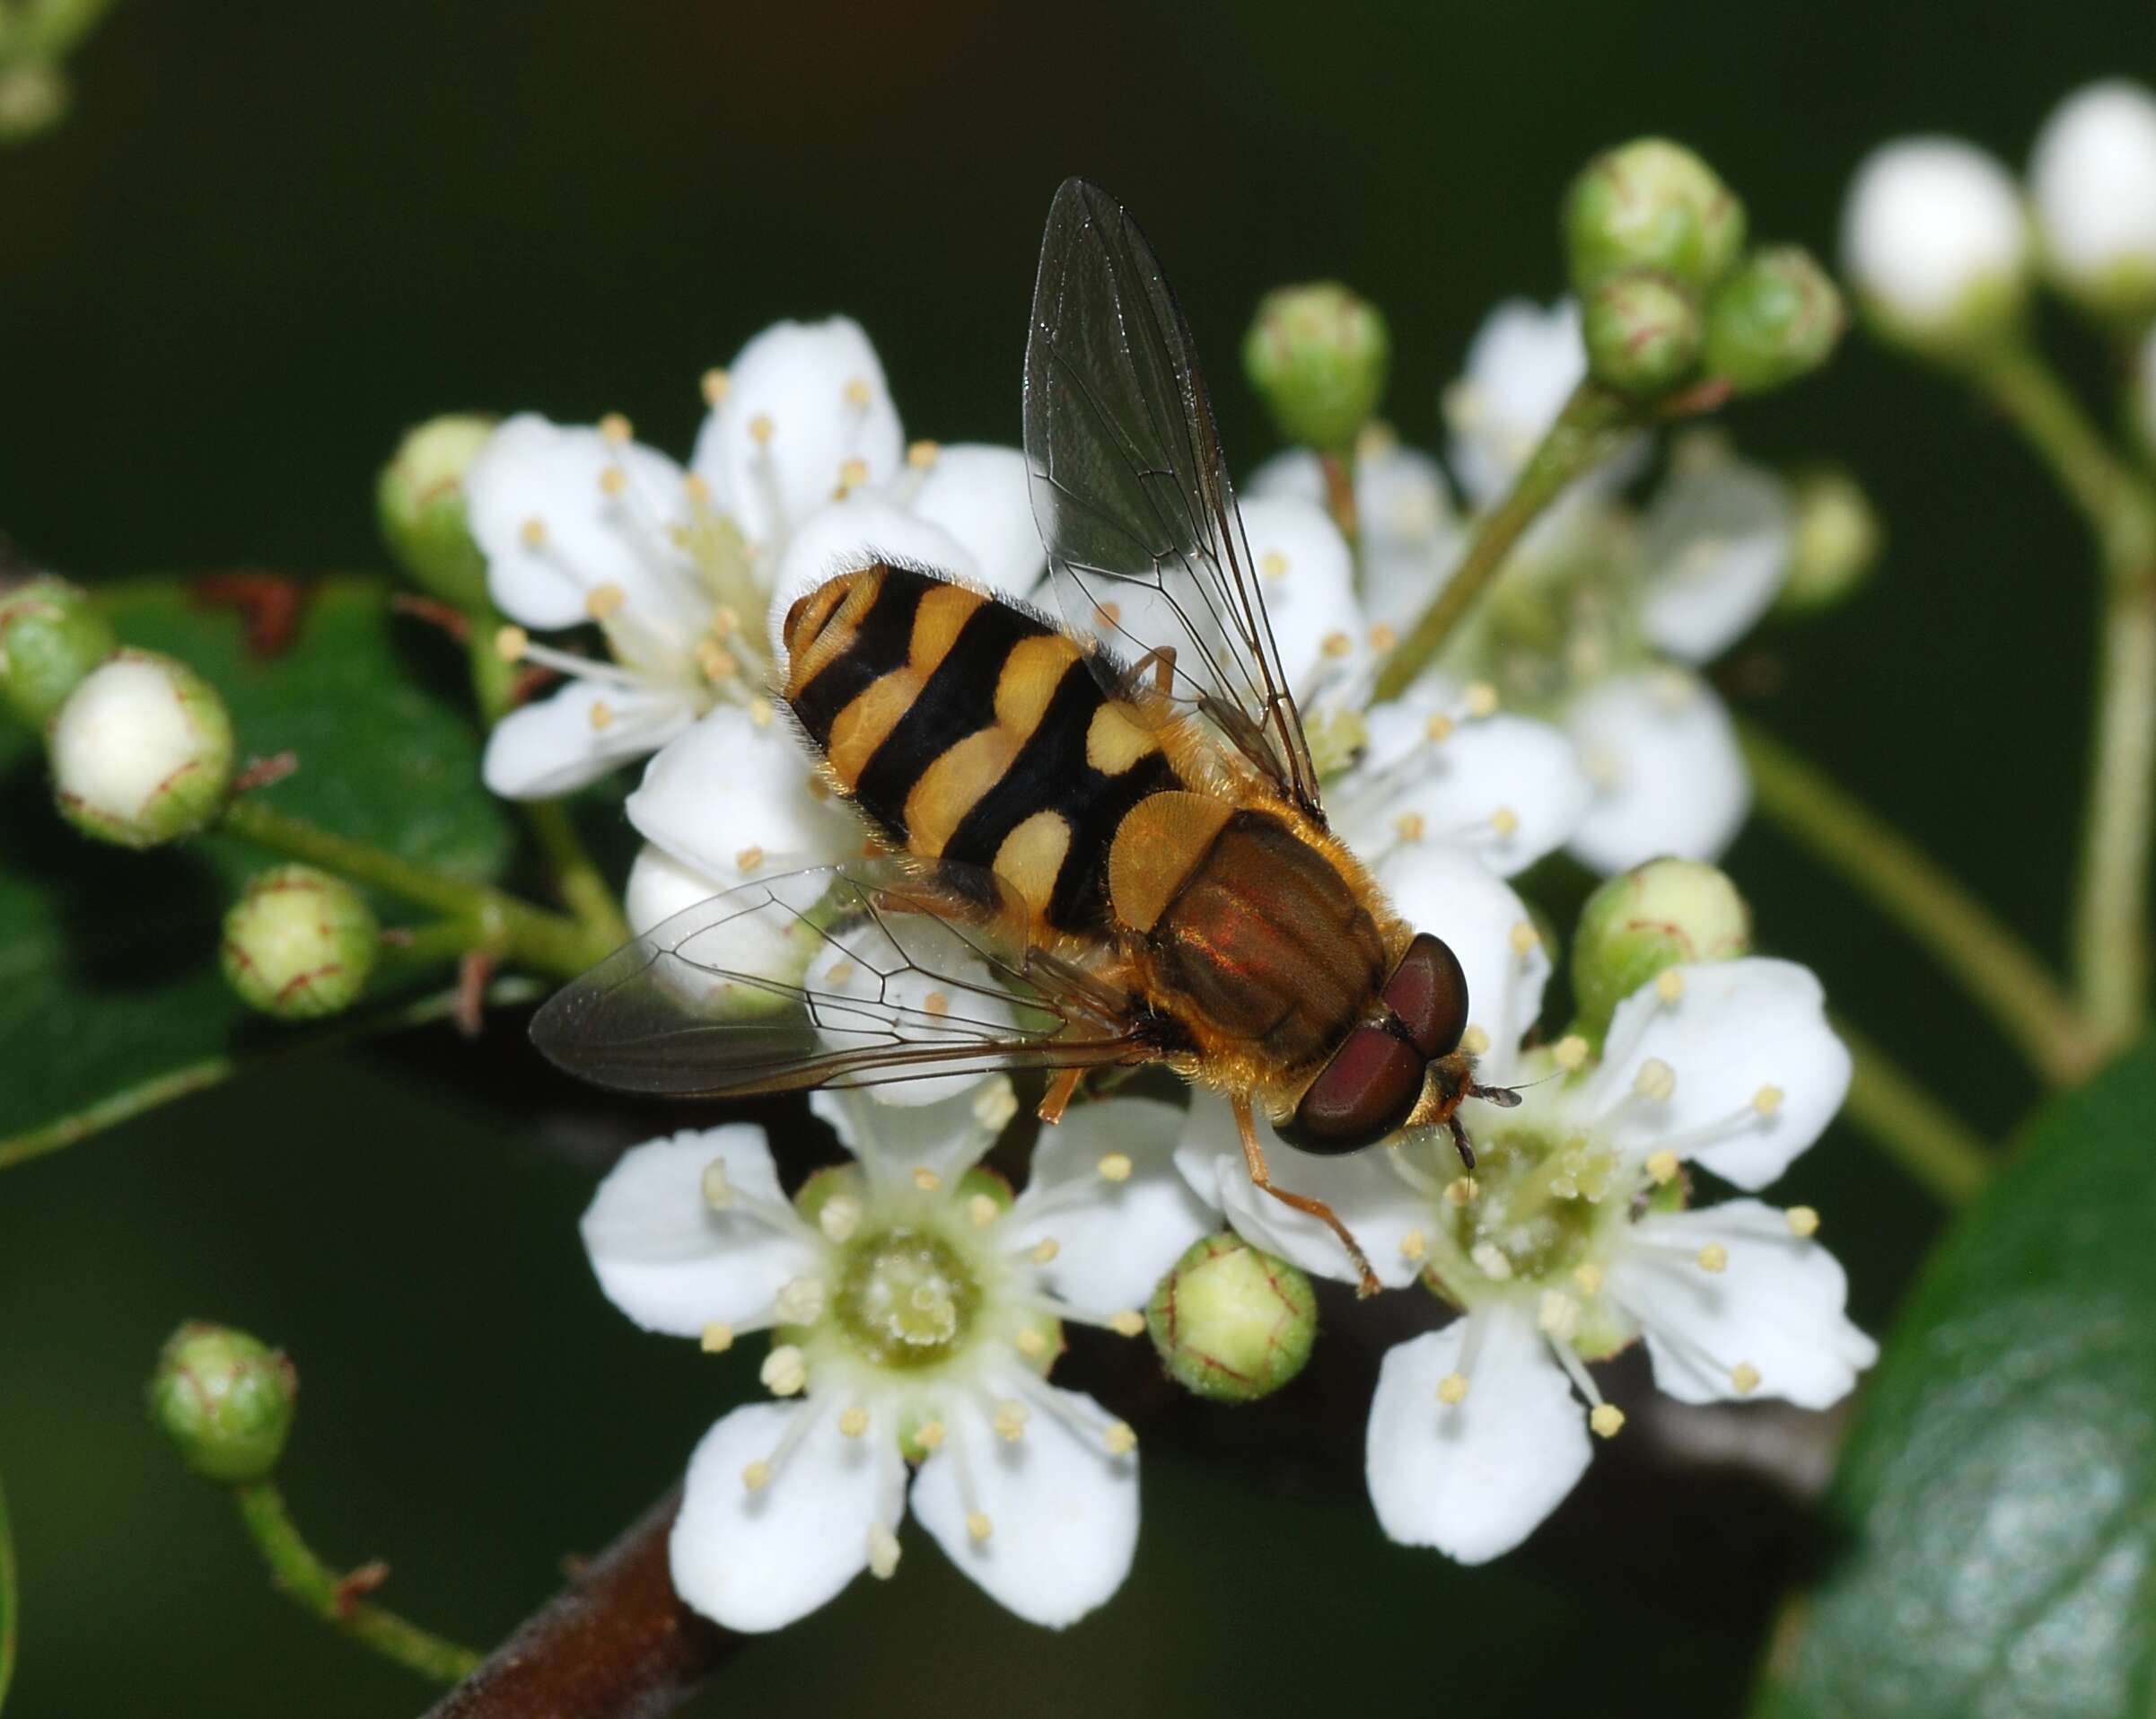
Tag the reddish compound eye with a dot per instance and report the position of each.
(1429, 994)
(1361, 1095)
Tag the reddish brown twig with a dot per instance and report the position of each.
(617, 1643)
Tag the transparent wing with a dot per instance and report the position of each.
(846, 976)
(1131, 494)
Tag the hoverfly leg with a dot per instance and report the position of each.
(1061, 1090)
(1160, 663)
(1261, 1175)
(1460, 1141)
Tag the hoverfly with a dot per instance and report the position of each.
(1092, 854)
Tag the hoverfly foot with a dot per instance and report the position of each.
(1461, 1143)
(1503, 1097)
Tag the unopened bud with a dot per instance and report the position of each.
(1319, 355)
(299, 943)
(1667, 913)
(225, 1399)
(1231, 1322)
(1650, 203)
(1934, 242)
(2092, 180)
(1836, 544)
(142, 750)
(1642, 332)
(419, 502)
(51, 635)
(1772, 321)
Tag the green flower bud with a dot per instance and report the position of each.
(419, 501)
(1232, 1323)
(1650, 203)
(1319, 355)
(142, 751)
(1667, 913)
(51, 635)
(225, 1399)
(1836, 544)
(1777, 318)
(299, 943)
(1642, 332)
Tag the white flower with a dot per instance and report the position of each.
(1569, 1239)
(917, 1310)
(1408, 533)
(2092, 177)
(1933, 235)
(1522, 367)
(799, 468)
(1662, 752)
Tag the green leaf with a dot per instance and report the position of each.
(1995, 1511)
(9, 1608)
(108, 972)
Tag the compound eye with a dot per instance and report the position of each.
(1361, 1095)
(1428, 992)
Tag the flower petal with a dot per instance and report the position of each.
(866, 964)
(1716, 543)
(1063, 1512)
(981, 496)
(659, 886)
(1668, 776)
(804, 401)
(1308, 577)
(1508, 787)
(735, 798)
(1473, 1478)
(759, 1560)
(1409, 534)
(1116, 1243)
(1443, 888)
(1380, 1209)
(1758, 1072)
(557, 745)
(672, 1261)
(867, 526)
(891, 1141)
(534, 469)
(1776, 1307)
(1522, 366)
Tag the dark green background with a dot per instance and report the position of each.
(273, 234)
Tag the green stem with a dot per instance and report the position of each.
(2110, 914)
(1577, 442)
(505, 925)
(147, 1095)
(330, 1596)
(1993, 965)
(1911, 1126)
(10, 1587)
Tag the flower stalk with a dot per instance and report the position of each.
(332, 1597)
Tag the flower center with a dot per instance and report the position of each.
(1542, 1203)
(906, 1297)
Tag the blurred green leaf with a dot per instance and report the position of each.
(9, 1609)
(1997, 1501)
(108, 975)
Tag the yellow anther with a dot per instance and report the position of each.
(1384, 637)
(1110, 614)
(533, 531)
(760, 713)
(1474, 1040)
(1410, 825)
(1505, 821)
(786, 1370)
(838, 1218)
(1130, 1322)
(1273, 564)
(982, 1211)
(1608, 1420)
(979, 1526)
(1492, 1261)
(841, 976)
(995, 1105)
(1031, 1343)
(1120, 1438)
(756, 1475)
(1714, 1258)
(936, 1003)
(1588, 1276)
(927, 1179)
(1452, 1389)
(698, 488)
(510, 643)
(800, 1299)
(1462, 1190)
(761, 429)
(1767, 1099)
(615, 428)
(717, 1337)
(882, 1552)
(1670, 984)
(1524, 938)
(604, 601)
(725, 621)
(857, 391)
(1010, 1419)
(1045, 1249)
(1114, 1167)
(931, 1435)
(1438, 728)
(749, 858)
(1744, 1378)
(717, 663)
(1337, 645)
(613, 481)
(1662, 1166)
(921, 455)
(1557, 1315)
(852, 473)
(1656, 1081)
(601, 715)
(853, 1422)
(716, 382)
(1803, 1220)
(1482, 700)
(1412, 1246)
(718, 1187)
(1570, 1052)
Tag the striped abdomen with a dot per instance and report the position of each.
(968, 729)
